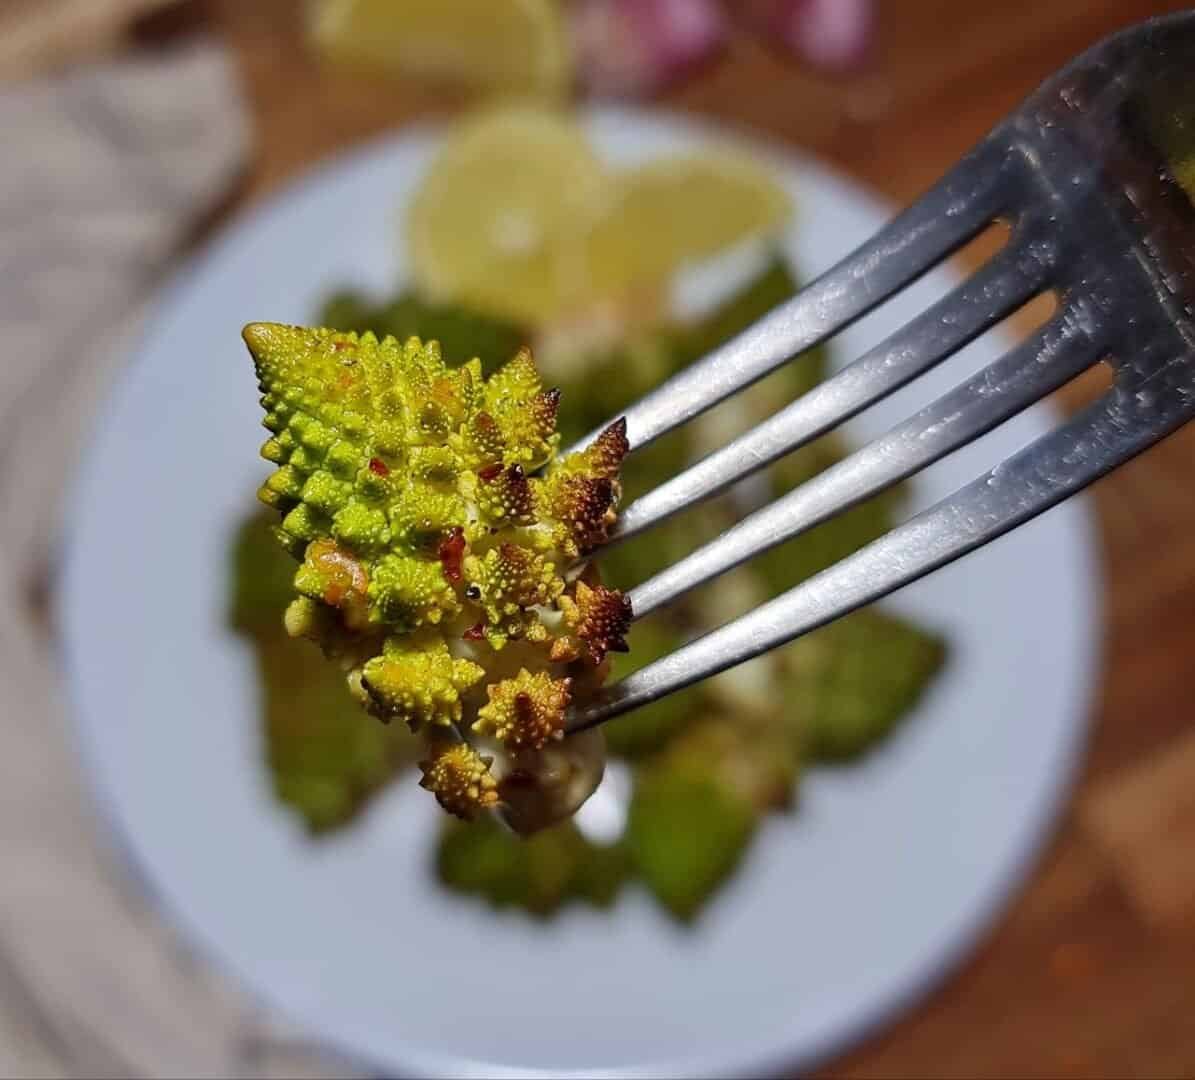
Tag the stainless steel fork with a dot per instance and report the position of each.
(1084, 174)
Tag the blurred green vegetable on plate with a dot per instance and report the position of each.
(707, 763)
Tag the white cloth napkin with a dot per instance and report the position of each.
(106, 171)
(105, 174)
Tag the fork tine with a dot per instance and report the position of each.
(997, 289)
(1123, 423)
(1052, 356)
(956, 209)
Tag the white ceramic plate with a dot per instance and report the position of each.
(844, 913)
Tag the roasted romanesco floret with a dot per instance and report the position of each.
(460, 779)
(525, 712)
(438, 538)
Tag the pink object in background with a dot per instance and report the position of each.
(629, 48)
(829, 34)
(633, 48)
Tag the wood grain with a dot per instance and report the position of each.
(1092, 971)
(1144, 817)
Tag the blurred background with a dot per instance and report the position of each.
(134, 129)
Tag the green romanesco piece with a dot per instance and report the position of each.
(539, 874)
(524, 412)
(503, 496)
(525, 712)
(408, 592)
(851, 682)
(597, 620)
(417, 681)
(425, 542)
(326, 759)
(507, 581)
(460, 779)
(685, 836)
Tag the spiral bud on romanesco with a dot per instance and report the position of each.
(460, 779)
(525, 712)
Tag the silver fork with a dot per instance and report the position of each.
(1095, 217)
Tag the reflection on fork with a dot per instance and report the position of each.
(1091, 176)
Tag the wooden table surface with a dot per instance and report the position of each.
(1092, 971)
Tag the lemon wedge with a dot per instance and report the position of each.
(517, 46)
(501, 219)
(678, 211)
(518, 217)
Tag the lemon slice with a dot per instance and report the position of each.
(501, 219)
(680, 210)
(519, 46)
(518, 217)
